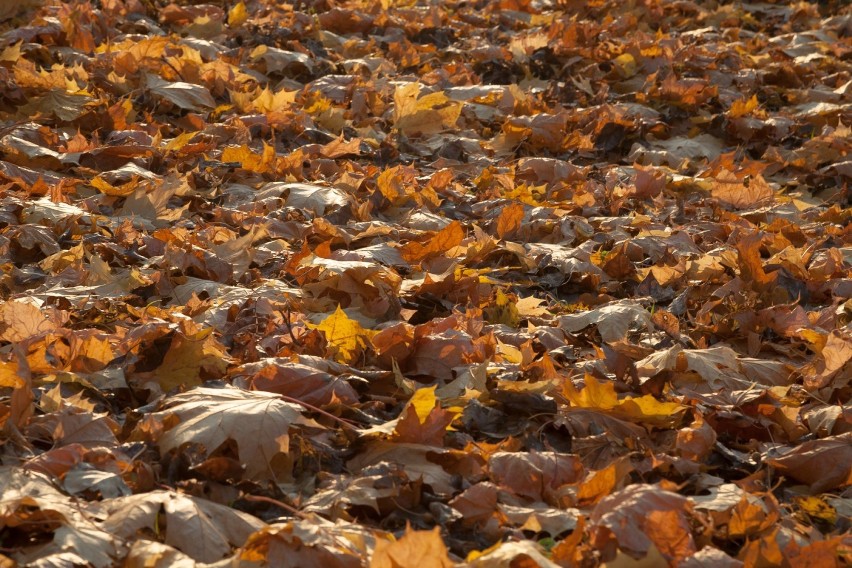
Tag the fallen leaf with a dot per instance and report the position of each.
(203, 530)
(613, 321)
(346, 338)
(258, 422)
(821, 464)
(416, 549)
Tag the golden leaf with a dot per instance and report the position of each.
(346, 338)
(594, 395)
(237, 15)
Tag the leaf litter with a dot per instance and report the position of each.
(389, 283)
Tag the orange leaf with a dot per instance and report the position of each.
(447, 238)
(20, 320)
(732, 192)
(423, 421)
(416, 549)
(510, 219)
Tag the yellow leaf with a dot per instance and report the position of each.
(346, 338)
(530, 307)
(625, 65)
(237, 15)
(267, 101)
(117, 191)
(742, 107)
(416, 549)
(9, 376)
(248, 160)
(509, 353)
(429, 114)
(504, 311)
(423, 402)
(178, 142)
(816, 339)
(12, 53)
(529, 194)
(596, 395)
(649, 410)
(816, 508)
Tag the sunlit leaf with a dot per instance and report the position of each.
(346, 338)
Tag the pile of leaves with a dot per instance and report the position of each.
(501, 283)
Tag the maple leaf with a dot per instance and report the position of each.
(184, 95)
(509, 219)
(203, 530)
(822, 464)
(424, 421)
(312, 541)
(237, 15)
(613, 321)
(347, 340)
(536, 475)
(415, 115)
(505, 310)
(22, 319)
(258, 422)
(602, 396)
(190, 354)
(730, 190)
(444, 240)
(365, 201)
(416, 549)
(644, 516)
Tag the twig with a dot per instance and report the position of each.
(327, 414)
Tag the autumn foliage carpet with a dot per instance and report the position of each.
(403, 284)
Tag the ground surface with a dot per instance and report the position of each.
(347, 283)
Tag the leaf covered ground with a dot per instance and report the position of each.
(503, 283)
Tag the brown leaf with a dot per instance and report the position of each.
(297, 381)
(642, 516)
(535, 475)
(821, 464)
